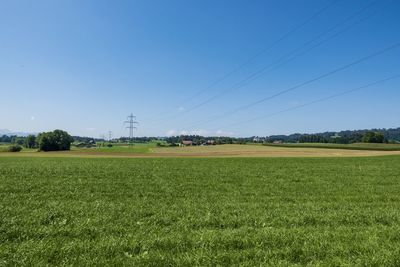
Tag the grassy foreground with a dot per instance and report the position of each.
(199, 211)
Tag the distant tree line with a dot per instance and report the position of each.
(84, 139)
(144, 139)
(47, 141)
(60, 140)
(13, 139)
(342, 137)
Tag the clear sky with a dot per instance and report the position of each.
(83, 66)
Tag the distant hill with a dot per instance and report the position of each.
(11, 133)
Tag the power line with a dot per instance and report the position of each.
(297, 86)
(283, 60)
(258, 54)
(317, 101)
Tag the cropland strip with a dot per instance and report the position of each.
(212, 151)
(200, 211)
(355, 146)
(265, 151)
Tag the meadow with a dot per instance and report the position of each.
(4, 148)
(200, 211)
(120, 148)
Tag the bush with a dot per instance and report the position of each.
(14, 148)
(109, 145)
(159, 144)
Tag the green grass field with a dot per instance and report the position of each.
(121, 148)
(4, 148)
(355, 146)
(200, 211)
(116, 148)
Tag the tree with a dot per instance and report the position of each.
(17, 140)
(30, 141)
(373, 137)
(5, 139)
(55, 141)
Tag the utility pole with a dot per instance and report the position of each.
(131, 126)
(109, 135)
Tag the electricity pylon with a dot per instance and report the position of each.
(131, 126)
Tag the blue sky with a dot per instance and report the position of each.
(83, 66)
